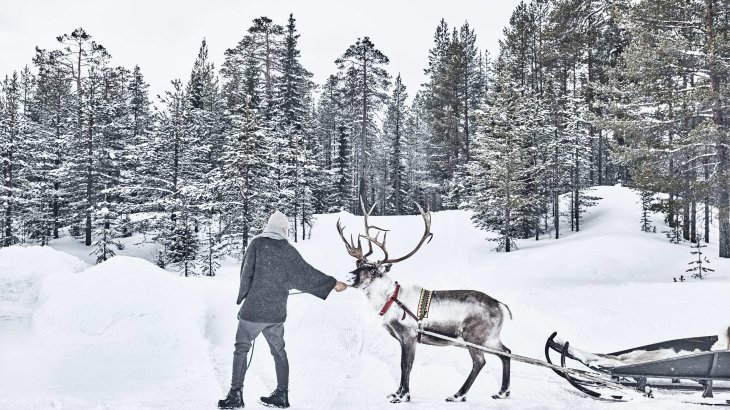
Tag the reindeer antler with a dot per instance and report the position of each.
(356, 251)
(426, 235)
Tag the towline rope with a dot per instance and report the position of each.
(529, 360)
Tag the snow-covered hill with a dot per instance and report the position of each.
(127, 335)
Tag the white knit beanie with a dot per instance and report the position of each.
(279, 220)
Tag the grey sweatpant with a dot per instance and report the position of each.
(274, 334)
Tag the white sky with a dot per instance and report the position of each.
(163, 37)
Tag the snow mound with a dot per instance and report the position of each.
(22, 269)
(121, 330)
(123, 302)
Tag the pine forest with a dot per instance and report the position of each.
(581, 93)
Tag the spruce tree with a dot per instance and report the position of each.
(394, 131)
(87, 61)
(368, 81)
(497, 172)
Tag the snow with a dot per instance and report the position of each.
(128, 335)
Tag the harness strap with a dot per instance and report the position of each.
(391, 299)
(406, 310)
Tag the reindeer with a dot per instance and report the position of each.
(466, 314)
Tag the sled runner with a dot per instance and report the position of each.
(681, 364)
(614, 372)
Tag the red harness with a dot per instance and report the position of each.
(391, 299)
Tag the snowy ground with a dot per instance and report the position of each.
(128, 335)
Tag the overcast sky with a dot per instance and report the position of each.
(163, 37)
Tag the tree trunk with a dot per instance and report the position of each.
(576, 200)
(89, 167)
(556, 190)
(600, 157)
(685, 219)
(363, 133)
(671, 215)
(723, 141)
(693, 222)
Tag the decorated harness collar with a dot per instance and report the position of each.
(424, 304)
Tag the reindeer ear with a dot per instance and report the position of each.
(387, 267)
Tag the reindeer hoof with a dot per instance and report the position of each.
(398, 398)
(501, 395)
(456, 398)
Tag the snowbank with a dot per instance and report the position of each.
(123, 331)
(121, 304)
(22, 269)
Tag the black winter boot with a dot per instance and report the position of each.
(234, 400)
(278, 398)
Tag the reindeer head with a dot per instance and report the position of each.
(368, 271)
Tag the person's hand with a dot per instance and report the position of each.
(340, 286)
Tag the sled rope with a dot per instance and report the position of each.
(535, 362)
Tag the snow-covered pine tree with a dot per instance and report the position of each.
(291, 122)
(248, 185)
(534, 117)
(87, 61)
(139, 106)
(423, 188)
(244, 181)
(310, 174)
(105, 233)
(366, 85)
(210, 253)
(181, 239)
(452, 95)
(113, 164)
(206, 109)
(52, 114)
(27, 147)
(395, 136)
(576, 138)
(343, 188)
(497, 172)
(334, 129)
(647, 198)
(698, 270)
(14, 156)
(139, 142)
(265, 43)
(467, 79)
(206, 117)
(682, 45)
(174, 172)
(328, 117)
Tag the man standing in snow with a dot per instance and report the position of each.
(271, 267)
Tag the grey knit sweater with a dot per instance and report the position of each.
(270, 269)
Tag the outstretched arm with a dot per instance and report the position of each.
(306, 278)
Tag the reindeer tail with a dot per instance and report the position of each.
(505, 307)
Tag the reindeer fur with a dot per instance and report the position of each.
(466, 314)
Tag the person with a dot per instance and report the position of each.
(271, 267)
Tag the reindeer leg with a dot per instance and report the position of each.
(504, 390)
(478, 361)
(408, 354)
